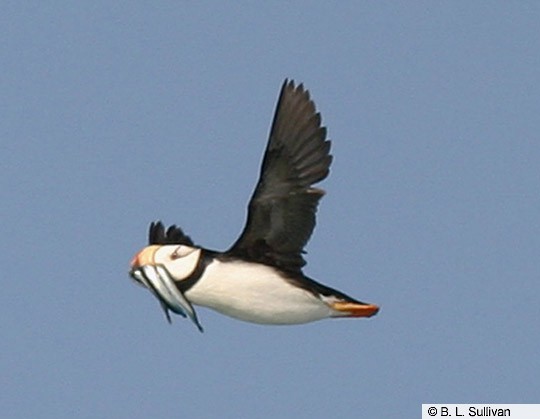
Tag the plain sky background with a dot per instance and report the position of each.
(114, 114)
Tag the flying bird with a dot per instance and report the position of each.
(259, 279)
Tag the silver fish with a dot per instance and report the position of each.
(160, 283)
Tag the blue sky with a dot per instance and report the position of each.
(117, 114)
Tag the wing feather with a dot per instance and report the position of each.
(281, 212)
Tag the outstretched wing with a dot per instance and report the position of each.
(173, 235)
(281, 212)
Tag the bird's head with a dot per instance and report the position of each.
(170, 258)
(179, 261)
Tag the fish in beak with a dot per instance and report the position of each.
(160, 283)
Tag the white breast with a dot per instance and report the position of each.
(255, 293)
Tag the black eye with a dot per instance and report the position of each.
(181, 251)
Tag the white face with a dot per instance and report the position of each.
(160, 268)
(179, 260)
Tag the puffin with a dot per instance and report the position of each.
(260, 278)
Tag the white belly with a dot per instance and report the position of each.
(255, 293)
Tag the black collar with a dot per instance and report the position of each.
(204, 260)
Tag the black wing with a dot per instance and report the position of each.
(173, 235)
(281, 212)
